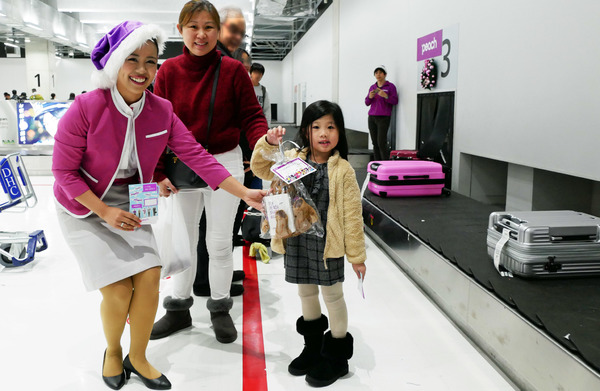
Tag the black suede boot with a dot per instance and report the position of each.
(177, 317)
(336, 352)
(312, 331)
(223, 326)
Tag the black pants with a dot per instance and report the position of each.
(378, 129)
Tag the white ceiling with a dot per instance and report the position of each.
(102, 15)
(273, 26)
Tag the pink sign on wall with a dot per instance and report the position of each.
(430, 45)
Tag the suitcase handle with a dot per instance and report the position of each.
(374, 166)
(573, 238)
(416, 176)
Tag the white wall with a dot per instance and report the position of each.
(528, 93)
(12, 75)
(272, 82)
(527, 90)
(72, 75)
(309, 65)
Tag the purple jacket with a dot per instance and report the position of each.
(381, 106)
(90, 138)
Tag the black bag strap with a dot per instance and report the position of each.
(212, 101)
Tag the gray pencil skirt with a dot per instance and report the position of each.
(105, 254)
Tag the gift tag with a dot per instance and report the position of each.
(498, 252)
(143, 202)
(292, 170)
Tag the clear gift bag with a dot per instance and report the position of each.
(289, 209)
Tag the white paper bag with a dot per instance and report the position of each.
(171, 238)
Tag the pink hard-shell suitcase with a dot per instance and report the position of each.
(406, 178)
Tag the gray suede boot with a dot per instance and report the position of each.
(223, 326)
(177, 317)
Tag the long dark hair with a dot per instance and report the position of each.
(315, 111)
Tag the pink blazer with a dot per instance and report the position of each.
(90, 138)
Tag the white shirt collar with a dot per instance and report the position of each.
(128, 110)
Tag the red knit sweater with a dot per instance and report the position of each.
(187, 81)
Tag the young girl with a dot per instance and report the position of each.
(311, 261)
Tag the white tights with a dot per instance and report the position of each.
(333, 296)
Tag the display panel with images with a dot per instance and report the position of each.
(8, 126)
(38, 121)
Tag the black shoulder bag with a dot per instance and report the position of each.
(180, 175)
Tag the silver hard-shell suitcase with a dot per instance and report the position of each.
(544, 243)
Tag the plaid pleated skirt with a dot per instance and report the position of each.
(303, 257)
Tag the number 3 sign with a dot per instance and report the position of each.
(442, 46)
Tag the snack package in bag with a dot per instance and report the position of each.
(289, 210)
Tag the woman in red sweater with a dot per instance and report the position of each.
(187, 81)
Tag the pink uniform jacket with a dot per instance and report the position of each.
(90, 138)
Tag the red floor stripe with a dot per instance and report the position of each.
(254, 367)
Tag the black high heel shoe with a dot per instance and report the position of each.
(114, 382)
(160, 383)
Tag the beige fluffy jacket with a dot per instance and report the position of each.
(345, 234)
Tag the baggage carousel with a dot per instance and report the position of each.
(544, 334)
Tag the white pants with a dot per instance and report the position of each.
(220, 207)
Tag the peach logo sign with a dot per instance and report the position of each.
(430, 45)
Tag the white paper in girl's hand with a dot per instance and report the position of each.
(360, 285)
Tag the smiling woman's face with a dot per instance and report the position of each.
(200, 33)
(137, 72)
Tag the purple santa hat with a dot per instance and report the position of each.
(112, 50)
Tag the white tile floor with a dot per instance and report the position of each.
(51, 337)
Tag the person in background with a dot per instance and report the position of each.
(6, 96)
(72, 96)
(35, 95)
(14, 95)
(257, 72)
(23, 96)
(53, 96)
(187, 81)
(99, 150)
(382, 97)
(233, 30)
(317, 263)
(244, 57)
